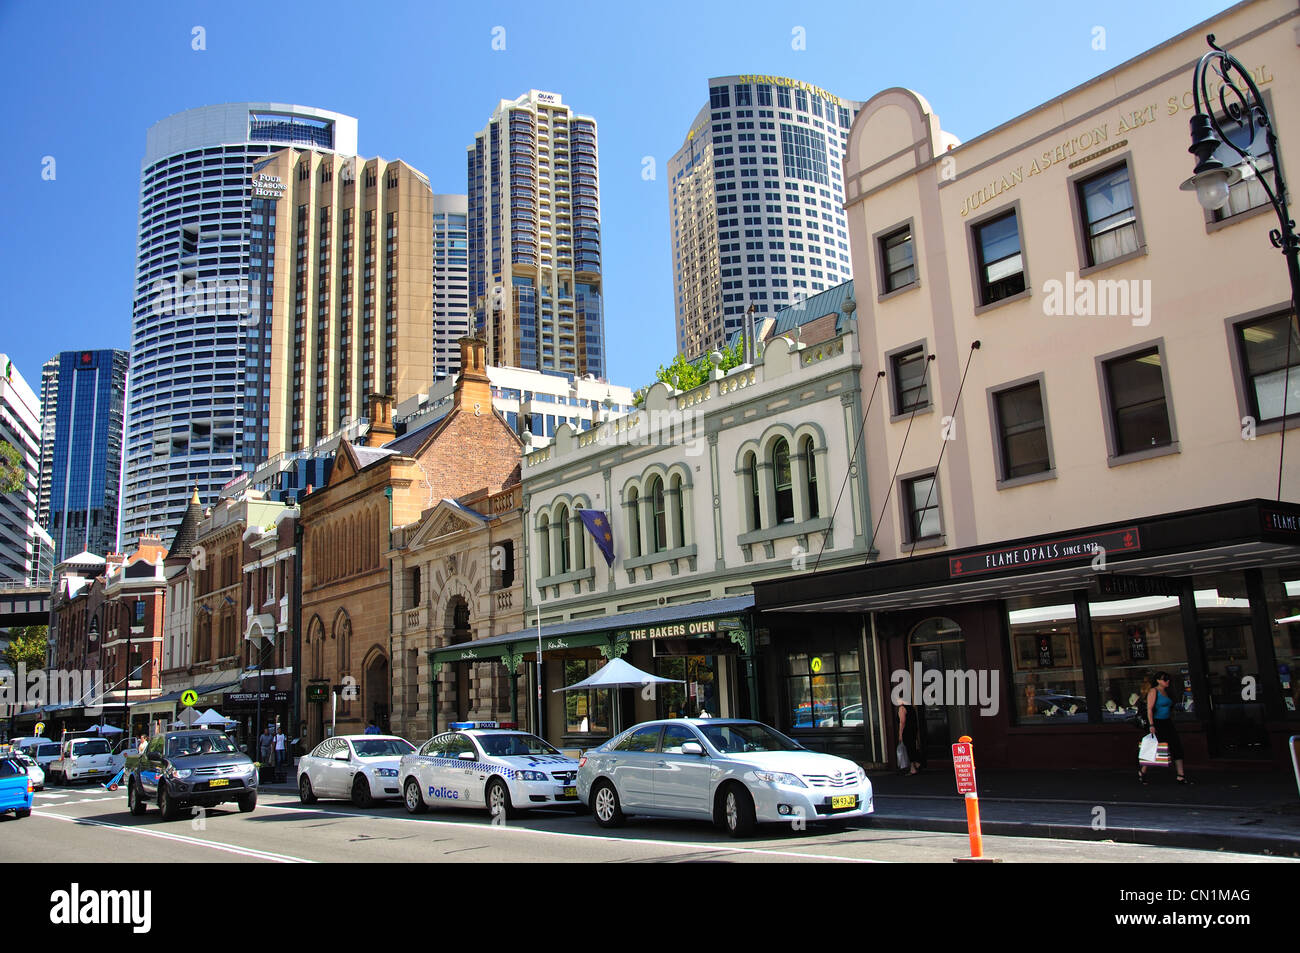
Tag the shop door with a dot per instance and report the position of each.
(1236, 718)
(697, 692)
(939, 646)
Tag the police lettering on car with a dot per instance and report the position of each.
(490, 765)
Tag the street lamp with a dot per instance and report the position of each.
(1212, 179)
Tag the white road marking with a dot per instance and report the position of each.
(181, 839)
(596, 837)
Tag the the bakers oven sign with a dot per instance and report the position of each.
(675, 630)
(268, 186)
(1041, 554)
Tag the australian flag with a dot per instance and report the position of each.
(597, 524)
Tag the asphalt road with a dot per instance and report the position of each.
(77, 825)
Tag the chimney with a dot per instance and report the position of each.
(381, 421)
(472, 386)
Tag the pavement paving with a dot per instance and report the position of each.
(1240, 811)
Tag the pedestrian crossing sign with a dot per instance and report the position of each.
(189, 698)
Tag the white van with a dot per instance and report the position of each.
(85, 759)
(41, 750)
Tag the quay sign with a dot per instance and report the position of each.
(675, 630)
(1033, 555)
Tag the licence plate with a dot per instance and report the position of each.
(569, 792)
(844, 800)
(92, 770)
(218, 783)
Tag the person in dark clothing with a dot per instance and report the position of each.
(1160, 715)
(909, 735)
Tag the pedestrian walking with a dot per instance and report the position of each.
(372, 729)
(909, 737)
(1160, 716)
(279, 746)
(265, 746)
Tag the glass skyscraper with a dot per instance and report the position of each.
(757, 205)
(83, 455)
(534, 237)
(451, 313)
(196, 404)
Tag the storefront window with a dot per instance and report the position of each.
(1047, 677)
(1282, 594)
(585, 712)
(698, 691)
(824, 688)
(1134, 638)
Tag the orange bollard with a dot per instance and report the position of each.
(963, 763)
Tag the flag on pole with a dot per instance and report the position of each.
(597, 523)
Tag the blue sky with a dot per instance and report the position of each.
(85, 81)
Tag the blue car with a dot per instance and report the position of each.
(15, 788)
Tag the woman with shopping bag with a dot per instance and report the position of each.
(1162, 744)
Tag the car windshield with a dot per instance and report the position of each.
(96, 746)
(182, 746)
(382, 747)
(506, 746)
(732, 738)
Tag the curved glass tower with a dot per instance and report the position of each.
(757, 204)
(198, 391)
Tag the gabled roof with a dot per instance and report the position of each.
(804, 312)
(83, 558)
(409, 443)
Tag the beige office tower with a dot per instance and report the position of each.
(535, 283)
(341, 297)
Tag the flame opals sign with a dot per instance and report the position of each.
(1049, 552)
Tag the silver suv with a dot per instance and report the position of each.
(182, 768)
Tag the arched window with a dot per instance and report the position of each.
(810, 469)
(544, 546)
(659, 523)
(679, 509)
(755, 509)
(634, 521)
(784, 484)
(562, 527)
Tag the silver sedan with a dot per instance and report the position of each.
(735, 773)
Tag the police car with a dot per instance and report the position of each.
(487, 764)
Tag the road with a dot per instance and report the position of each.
(76, 825)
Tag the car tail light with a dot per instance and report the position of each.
(31, 785)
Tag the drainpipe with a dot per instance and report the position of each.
(388, 492)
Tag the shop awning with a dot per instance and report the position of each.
(601, 630)
(1233, 536)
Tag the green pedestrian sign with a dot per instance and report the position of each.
(189, 698)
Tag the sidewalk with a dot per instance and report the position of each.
(1243, 812)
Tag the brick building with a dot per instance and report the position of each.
(347, 532)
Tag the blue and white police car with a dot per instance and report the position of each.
(488, 764)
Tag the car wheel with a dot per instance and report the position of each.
(247, 802)
(134, 803)
(413, 798)
(498, 800)
(305, 794)
(361, 792)
(737, 811)
(604, 804)
(167, 804)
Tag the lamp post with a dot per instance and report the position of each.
(1241, 104)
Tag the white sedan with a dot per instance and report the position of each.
(733, 772)
(362, 768)
(482, 765)
(33, 769)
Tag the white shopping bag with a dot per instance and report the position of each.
(1153, 752)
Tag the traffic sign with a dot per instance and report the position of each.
(963, 763)
(40, 727)
(816, 665)
(189, 698)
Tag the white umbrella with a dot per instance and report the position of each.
(618, 674)
(213, 717)
(105, 729)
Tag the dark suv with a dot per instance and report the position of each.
(182, 768)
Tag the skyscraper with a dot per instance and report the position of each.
(342, 290)
(757, 196)
(451, 314)
(534, 237)
(81, 450)
(193, 408)
(20, 444)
